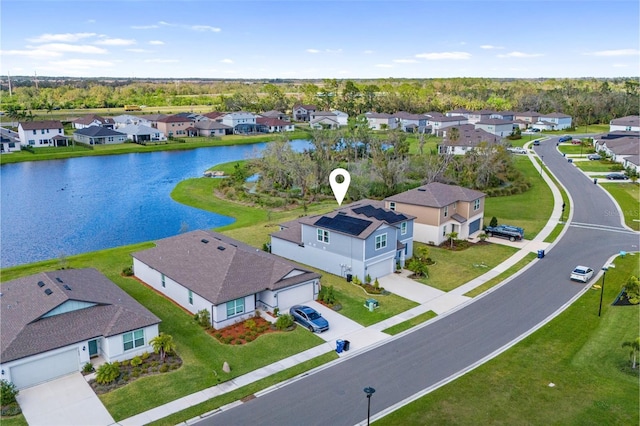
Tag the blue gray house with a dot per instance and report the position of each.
(363, 238)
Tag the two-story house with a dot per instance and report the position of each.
(553, 121)
(412, 123)
(128, 119)
(174, 125)
(528, 117)
(240, 121)
(360, 239)
(439, 123)
(496, 126)
(9, 140)
(630, 123)
(39, 134)
(458, 140)
(381, 121)
(482, 115)
(439, 210)
(93, 120)
(302, 112)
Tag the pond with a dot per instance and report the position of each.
(51, 209)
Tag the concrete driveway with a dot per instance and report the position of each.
(67, 401)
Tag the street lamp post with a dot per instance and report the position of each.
(369, 391)
(604, 273)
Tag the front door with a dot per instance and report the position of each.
(93, 348)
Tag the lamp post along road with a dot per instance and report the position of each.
(369, 391)
(602, 289)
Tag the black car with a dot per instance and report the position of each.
(616, 176)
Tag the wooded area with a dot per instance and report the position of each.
(588, 100)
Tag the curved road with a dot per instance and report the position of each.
(408, 365)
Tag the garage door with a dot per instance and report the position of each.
(295, 296)
(51, 367)
(474, 226)
(380, 269)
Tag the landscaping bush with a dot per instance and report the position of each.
(136, 361)
(284, 321)
(108, 373)
(144, 355)
(164, 368)
(632, 288)
(127, 271)
(8, 392)
(203, 318)
(87, 368)
(494, 222)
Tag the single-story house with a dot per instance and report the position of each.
(98, 135)
(212, 128)
(381, 121)
(93, 120)
(229, 279)
(127, 119)
(630, 123)
(467, 138)
(439, 210)
(275, 125)
(275, 114)
(38, 134)
(142, 133)
(55, 322)
(324, 122)
(618, 148)
(359, 239)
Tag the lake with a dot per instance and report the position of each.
(51, 209)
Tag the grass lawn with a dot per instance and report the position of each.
(529, 210)
(455, 268)
(628, 197)
(597, 166)
(18, 420)
(506, 274)
(577, 351)
(567, 148)
(405, 325)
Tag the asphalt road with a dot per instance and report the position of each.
(414, 362)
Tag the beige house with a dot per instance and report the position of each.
(174, 126)
(439, 210)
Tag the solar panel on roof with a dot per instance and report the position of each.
(347, 224)
(380, 214)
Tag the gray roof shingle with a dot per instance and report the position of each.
(436, 194)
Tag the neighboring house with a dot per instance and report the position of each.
(496, 126)
(214, 115)
(153, 119)
(9, 141)
(342, 117)
(324, 122)
(528, 117)
(504, 115)
(141, 133)
(458, 112)
(630, 123)
(440, 209)
(38, 134)
(303, 112)
(229, 279)
(412, 123)
(467, 139)
(242, 122)
(358, 239)
(55, 322)
(477, 116)
(439, 123)
(93, 120)
(619, 148)
(275, 114)
(174, 125)
(275, 125)
(558, 120)
(96, 135)
(127, 119)
(212, 128)
(381, 121)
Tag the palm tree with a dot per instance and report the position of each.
(635, 348)
(452, 237)
(163, 344)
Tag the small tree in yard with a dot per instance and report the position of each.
(635, 348)
(203, 317)
(452, 237)
(418, 263)
(163, 344)
(494, 222)
(632, 289)
(8, 392)
(284, 321)
(107, 373)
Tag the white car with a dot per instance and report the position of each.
(517, 150)
(582, 273)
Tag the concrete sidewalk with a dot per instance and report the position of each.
(363, 337)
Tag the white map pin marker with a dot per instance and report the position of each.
(339, 189)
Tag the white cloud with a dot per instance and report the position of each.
(313, 51)
(618, 52)
(74, 48)
(443, 55)
(32, 53)
(161, 61)
(226, 61)
(490, 47)
(405, 61)
(384, 66)
(368, 52)
(520, 55)
(156, 42)
(81, 64)
(144, 27)
(135, 50)
(205, 28)
(66, 37)
(333, 50)
(116, 42)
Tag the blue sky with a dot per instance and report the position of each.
(320, 39)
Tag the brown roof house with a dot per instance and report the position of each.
(229, 279)
(174, 125)
(466, 138)
(440, 209)
(39, 134)
(302, 112)
(55, 322)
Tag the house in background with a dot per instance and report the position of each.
(504, 115)
(324, 122)
(240, 122)
(554, 121)
(465, 138)
(93, 120)
(9, 141)
(229, 279)
(439, 123)
(439, 210)
(477, 116)
(55, 322)
(97, 135)
(174, 126)
(153, 119)
(412, 123)
(39, 134)
(127, 119)
(275, 114)
(630, 123)
(458, 112)
(342, 117)
(528, 117)
(303, 112)
(212, 128)
(358, 239)
(381, 121)
(141, 133)
(275, 125)
(496, 126)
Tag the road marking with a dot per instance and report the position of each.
(600, 227)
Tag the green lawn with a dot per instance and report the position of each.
(503, 276)
(577, 351)
(598, 166)
(530, 210)
(567, 148)
(628, 197)
(455, 268)
(405, 325)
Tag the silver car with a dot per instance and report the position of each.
(582, 273)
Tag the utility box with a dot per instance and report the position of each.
(371, 304)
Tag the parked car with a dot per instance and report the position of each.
(534, 130)
(517, 150)
(582, 273)
(565, 138)
(505, 231)
(310, 318)
(594, 157)
(536, 142)
(616, 176)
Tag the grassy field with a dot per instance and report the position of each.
(503, 276)
(529, 210)
(578, 351)
(597, 166)
(628, 197)
(567, 148)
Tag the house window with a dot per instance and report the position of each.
(446, 211)
(403, 228)
(164, 284)
(444, 231)
(133, 339)
(34, 132)
(476, 204)
(392, 206)
(32, 142)
(235, 307)
(190, 297)
(323, 236)
(381, 241)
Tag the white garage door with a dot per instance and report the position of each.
(295, 296)
(51, 367)
(380, 269)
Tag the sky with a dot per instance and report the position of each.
(310, 39)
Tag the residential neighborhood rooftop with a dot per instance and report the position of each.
(436, 194)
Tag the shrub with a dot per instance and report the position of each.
(154, 363)
(376, 284)
(108, 373)
(87, 368)
(10, 410)
(284, 321)
(8, 392)
(276, 311)
(124, 363)
(367, 279)
(145, 355)
(164, 368)
(136, 361)
(127, 271)
(250, 324)
(356, 280)
(632, 288)
(203, 317)
(494, 221)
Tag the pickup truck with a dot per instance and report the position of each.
(513, 233)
